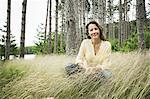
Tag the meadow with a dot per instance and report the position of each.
(44, 77)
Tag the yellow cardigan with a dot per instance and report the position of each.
(87, 57)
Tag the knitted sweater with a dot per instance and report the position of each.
(87, 57)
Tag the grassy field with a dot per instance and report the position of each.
(44, 77)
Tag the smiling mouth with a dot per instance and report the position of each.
(94, 34)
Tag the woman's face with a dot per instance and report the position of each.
(94, 31)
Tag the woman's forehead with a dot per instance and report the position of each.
(92, 25)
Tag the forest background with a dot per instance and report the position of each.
(118, 19)
(45, 77)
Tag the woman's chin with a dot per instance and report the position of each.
(95, 37)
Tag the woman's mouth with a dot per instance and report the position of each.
(94, 34)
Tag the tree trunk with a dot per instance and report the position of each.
(81, 34)
(94, 9)
(71, 45)
(62, 28)
(140, 18)
(120, 23)
(49, 34)
(127, 19)
(56, 31)
(104, 17)
(125, 12)
(101, 12)
(110, 19)
(77, 20)
(7, 47)
(23, 23)
(65, 20)
(83, 29)
(46, 21)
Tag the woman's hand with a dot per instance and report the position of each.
(96, 69)
(80, 64)
(93, 70)
(88, 70)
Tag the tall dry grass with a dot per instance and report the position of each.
(45, 77)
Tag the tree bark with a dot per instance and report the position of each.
(94, 9)
(23, 23)
(7, 47)
(120, 23)
(71, 45)
(110, 23)
(50, 29)
(56, 29)
(62, 28)
(46, 21)
(140, 18)
(83, 29)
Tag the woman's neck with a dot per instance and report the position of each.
(96, 41)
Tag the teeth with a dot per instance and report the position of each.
(94, 34)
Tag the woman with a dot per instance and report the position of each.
(94, 52)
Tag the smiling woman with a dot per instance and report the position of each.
(94, 52)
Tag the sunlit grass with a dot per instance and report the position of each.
(45, 76)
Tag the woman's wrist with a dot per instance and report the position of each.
(91, 70)
(99, 66)
(81, 65)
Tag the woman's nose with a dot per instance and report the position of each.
(94, 31)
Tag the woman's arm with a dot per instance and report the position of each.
(81, 55)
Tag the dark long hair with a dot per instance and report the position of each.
(100, 29)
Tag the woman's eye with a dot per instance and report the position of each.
(96, 28)
(91, 30)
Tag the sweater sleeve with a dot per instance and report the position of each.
(81, 54)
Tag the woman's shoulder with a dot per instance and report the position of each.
(86, 41)
(107, 43)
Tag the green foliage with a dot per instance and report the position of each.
(115, 45)
(42, 45)
(2, 50)
(147, 39)
(63, 45)
(131, 43)
(30, 49)
(2, 46)
(13, 46)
